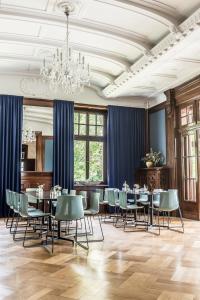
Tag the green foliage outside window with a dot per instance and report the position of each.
(88, 146)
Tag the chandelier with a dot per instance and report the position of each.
(67, 70)
(28, 136)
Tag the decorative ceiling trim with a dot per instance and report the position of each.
(116, 58)
(149, 12)
(115, 33)
(162, 48)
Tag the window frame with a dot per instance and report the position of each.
(90, 138)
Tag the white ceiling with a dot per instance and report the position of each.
(134, 47)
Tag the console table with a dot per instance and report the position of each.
(154, 178)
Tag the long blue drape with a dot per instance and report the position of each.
(63, 150)
(10, 147)
(126, 141)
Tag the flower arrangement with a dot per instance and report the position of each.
(57, 188)
(153, 158)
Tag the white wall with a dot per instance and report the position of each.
(33, 88)
(47, 129)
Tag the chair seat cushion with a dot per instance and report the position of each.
(156, 203)
(37, 214)
(90, 212)
(134, 206)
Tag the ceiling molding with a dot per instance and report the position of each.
(35, 41)
(113, 32)
(105, 75)
(157, 53)
(149, 12)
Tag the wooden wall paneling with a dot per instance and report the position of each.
(39, 152)
(186, 94)
(33, 179)
(171, 139)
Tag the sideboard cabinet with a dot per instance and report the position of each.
(154, 178)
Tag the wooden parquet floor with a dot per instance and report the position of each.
(127, 265)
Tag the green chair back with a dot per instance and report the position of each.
(11, 199)
(156, 197)
(69, 208)
(111, 197)
(94, 202)
(64, 191)
(31, 199)
(16, 201)
(8, 195)
(84, 198)
(72, 192)
(169, 200)
(23, 205)
(143, 197)
(123, 200)
(101, 192)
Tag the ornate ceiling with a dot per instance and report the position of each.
(135, 48)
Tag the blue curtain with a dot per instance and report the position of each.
(10, 147)
(63, 149)
(126, 143)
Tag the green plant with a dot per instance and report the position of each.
(155, 157)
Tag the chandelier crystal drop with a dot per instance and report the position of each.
(67, 70)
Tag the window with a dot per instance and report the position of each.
(89, 146)
(189, 166)
(187, 115)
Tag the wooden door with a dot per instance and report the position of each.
(189, 174)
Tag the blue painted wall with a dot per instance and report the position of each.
(48, 157)
(158, 131)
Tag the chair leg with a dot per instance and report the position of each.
(159, 221)
(125, 220)
(7, 220)
(101, 228)
(52, 236)
(11, 226)
(16, 226)
(181, 218)
(76, 230)
(168, 218)
(86, 235)
(25, 234)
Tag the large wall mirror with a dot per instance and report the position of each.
(37, 139)
(157, 132)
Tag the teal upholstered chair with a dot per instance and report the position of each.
(10, 208)
(65, 192)
(29, 214)
(72, 192)
(70, 208)
(101, 196)
(168, 203)
(92, 211)
(84, 198)
(126, 209)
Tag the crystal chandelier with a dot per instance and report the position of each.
(28, 136)
(67, 70)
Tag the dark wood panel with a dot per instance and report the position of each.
(188, 91)
(33, 179)
(154, 178)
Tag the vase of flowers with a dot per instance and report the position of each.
(153, 158)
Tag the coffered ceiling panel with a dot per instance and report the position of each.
(16, 49)
(125, 18)
(19, 27)
(34, 5)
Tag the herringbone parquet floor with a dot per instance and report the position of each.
(131, 265)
